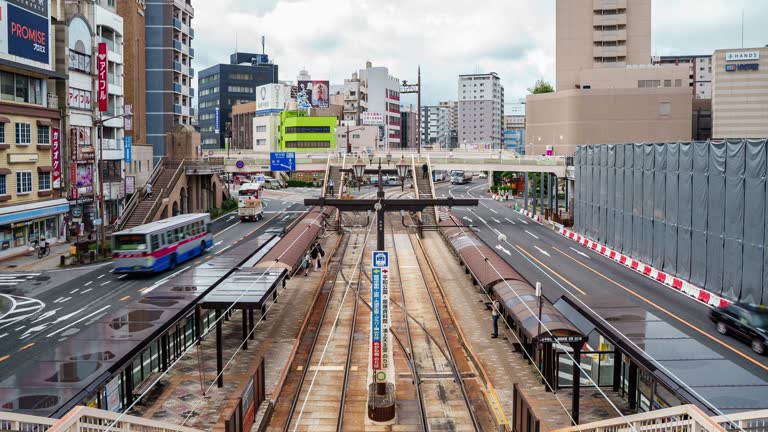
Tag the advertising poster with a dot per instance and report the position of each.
(84, 175)
(130, 185)
(27, 30)
(313, 94)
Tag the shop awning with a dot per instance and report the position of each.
(5, 171)
(28, 212)
(44, 169)
(44, 123)
(5, 120)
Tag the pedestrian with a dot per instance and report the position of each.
(305, 263)
(495, 315)
(330, 186)
(314, 255)
(148, 190)
(424, 171)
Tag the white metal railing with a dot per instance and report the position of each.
(21, 422)
(746, 421)
(683, 418)
(86, 420)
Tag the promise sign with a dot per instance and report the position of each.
(101, 67)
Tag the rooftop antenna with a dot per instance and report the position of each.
(236, 41)
(742, 27)
(263, 44)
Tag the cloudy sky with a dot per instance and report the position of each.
(515, 38)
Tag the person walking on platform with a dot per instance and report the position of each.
(305, 263)
(314, 255)
(495, 315)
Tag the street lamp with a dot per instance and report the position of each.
(402, 171)
(100, 123)
(359, 169)
(370, 158)
(389, 158)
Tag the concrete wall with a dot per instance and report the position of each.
(566, 119)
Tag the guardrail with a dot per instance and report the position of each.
(85, 419)
(136, 197)
(683, 418)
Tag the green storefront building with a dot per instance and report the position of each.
(305, 134)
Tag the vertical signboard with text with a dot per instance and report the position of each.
(101, 68)
(128, 149)
(56, 157)
(380, 349)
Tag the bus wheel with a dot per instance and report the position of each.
(203, 247)
(173, 261)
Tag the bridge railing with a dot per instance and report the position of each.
(85, 419)
(682, 418)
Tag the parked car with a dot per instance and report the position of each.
(270, 183)
(744, 321)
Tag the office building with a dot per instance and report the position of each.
(256, 125)
(481, 111)
(222, 86)
(374, 90)
(302, 133)
(514, 128)
(700, 72)
(32, 202)
(409, 127)
(607, 91)
(435, 127)
(740, 93)
(169, 71)
(453, 123)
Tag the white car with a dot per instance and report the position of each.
(483, 175)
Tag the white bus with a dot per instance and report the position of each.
(161, 245)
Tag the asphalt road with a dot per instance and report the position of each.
(60, 303)
(541, 255)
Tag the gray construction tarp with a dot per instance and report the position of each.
(696, 210)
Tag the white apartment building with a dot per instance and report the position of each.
(700, 72)
(436, 126)
(266, 132)
(373, 89)
(453, 113)
(481, 111)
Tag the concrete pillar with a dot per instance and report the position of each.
(541, 191)
(552, 190)
(525, 192)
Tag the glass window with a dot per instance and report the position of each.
(43, 135)
(2, 133)
(7, 89)
(44, 181)
(155, 242)
(169, 239)
(130, 242)
(3, 185)
(22, 88)
(23, 133)
(23, 182)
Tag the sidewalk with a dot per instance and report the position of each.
(30, 262)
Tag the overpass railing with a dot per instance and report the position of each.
(682, 418)
(85, 419)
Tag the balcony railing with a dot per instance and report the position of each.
(177, 66)
(176, 45)
(191, 72)
(191, 32)
(191, 92)
(177, 108)
(176, 88)
(176, 24)
(192, 52)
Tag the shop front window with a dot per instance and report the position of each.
(19, 236)
(6, 237)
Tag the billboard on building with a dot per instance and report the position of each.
(24, 29)
(313, 94)
(101, 69)
(372, 118)
(272, 98)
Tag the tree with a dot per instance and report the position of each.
(541, 87)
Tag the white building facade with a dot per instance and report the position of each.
(435, 127)
(373, 89)
(481, 111)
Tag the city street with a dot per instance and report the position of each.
(562, 266)
(51, 306)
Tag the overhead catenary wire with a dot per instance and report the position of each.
(205, 333)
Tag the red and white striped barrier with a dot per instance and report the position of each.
(665, 279)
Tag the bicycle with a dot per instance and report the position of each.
(42, 251)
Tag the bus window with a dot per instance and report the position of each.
(208, 228)
(155, 242)
(169, 238)
(130, 242)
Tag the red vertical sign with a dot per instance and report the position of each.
(101, 67)
(56, 156)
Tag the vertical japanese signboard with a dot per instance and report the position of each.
(128, 149)
(380, 318)
(101, 67)
(56, 156)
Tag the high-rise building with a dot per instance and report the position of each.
(594, 34)
(169, 71)
(605, 77)
(435, 127)
(740, 93)
(700, 70)
(481, 111)
(514, 128)
(222, 86)
(31, 201)
(409, 126)
(374, 90)
(453, 123)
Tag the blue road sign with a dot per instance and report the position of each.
(128, 147)
(216, 120)
(380, 259)
(376, 305)
(282, 161)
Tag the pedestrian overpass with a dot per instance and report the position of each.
(470, 160)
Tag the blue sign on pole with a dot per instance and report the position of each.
(282, 161)
(381, 259)
(376, 319)
(216, 120)
(128, 148)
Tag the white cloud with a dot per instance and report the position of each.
(515, 38)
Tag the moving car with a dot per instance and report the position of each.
(483, 175)
(744, 321)
(459, 177)
(270, 183)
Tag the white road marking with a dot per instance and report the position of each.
(531, 234)
(501, 248)
(226, 229)
(543, 251)
(88, 283)
(19, 328)
(106, 283)
(580, 253)
(58, 299)
(80, 320)
(496, 220)
(65, 299)
(89, 289)
(522, 221)
(3, 335)
(122, 276)
(510, 221)
(219, 242)
(74, 290)
(286, 218)
(468, 219)
(101, 276)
